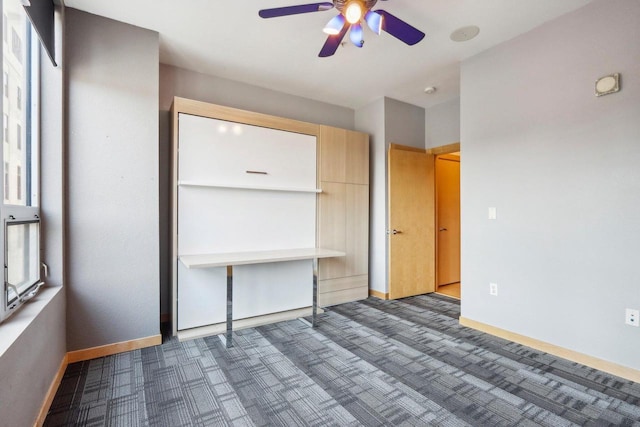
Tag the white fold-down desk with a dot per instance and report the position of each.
(260, 257)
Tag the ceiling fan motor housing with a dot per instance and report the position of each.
(341, 4)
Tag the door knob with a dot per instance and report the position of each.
(442, 229)
(396, 231)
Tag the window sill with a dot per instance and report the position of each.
(14, 326)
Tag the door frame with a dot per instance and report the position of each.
(444, 158)
(438, 151)
(443, 149)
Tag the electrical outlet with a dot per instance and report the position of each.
(632, 317)
(493, 289)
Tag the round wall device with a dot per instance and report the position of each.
(608, 84)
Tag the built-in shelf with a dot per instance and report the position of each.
(256, 257)
(247, 187)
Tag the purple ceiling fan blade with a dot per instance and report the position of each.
(332, 43)
(294, 10)
(400, 29)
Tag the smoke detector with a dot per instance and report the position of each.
(465, 33)
(429, 90)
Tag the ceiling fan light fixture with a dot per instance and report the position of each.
(334, 26)
(355, 35)
(353, 11)
(374, 21)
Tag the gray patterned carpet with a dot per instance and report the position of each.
(371, 363)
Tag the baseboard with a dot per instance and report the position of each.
(574, 356)
(250, 322)
(378, 294)
(109, 349)
(51, 393)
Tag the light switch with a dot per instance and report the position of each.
(493, 213)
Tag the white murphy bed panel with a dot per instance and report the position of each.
(242, 188)
(289, 198)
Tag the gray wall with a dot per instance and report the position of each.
(370, 119)
(52, 131)
(113, 291)
(387, 121)
(189, 84)
(443, 124)
(404, 123)
(28, 367)
(562, 168)
(31, 362)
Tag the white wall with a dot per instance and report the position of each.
(443, 124)
(113, 291)
(562, 168)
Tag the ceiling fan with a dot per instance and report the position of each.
(352, 13)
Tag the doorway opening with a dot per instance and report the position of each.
(424, 221)
(447, 206)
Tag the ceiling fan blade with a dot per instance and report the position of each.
(294, 10)
(332, 43)
(400, 29)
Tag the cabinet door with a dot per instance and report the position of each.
(344, 226)
(221, 152)
(357, 158)
(344, 156)
(333, 158)
(357, 229)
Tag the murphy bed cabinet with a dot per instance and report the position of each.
(343, 214)
(244, 181)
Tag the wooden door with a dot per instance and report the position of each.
(448, 218)
(411, 222)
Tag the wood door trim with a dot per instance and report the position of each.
(448, 158)
(444, 149)
(437, 178)
(393, 146)
(378, 294)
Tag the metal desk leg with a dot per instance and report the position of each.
(229, 306)
(315, 293)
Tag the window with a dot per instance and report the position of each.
(6, 181)
(20, 228)
(22, 258)
(18, 182)
(16, 45)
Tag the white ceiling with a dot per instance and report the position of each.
(228, 39)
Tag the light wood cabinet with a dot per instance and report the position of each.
(343, 214)
(344, 156)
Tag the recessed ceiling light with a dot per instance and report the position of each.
(465, 33)
(429, 90)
